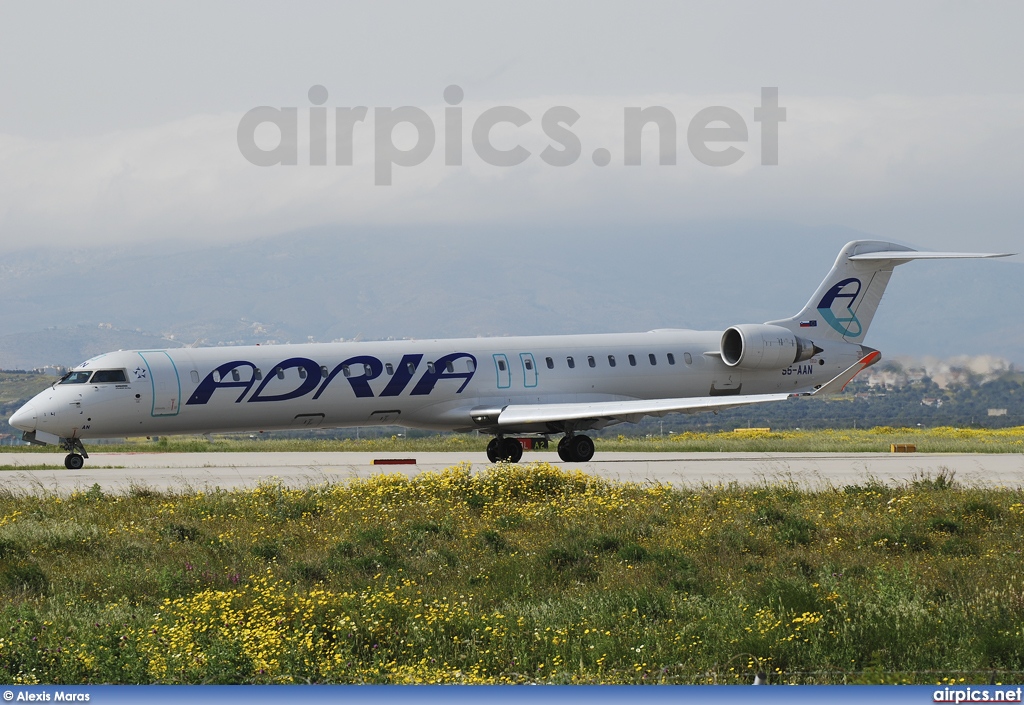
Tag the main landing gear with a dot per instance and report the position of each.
(504, 450)
(575, 448)
(76, 456)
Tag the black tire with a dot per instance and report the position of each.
(504, 450)
(73, 461)
(563, 449)
(581, 449)
(513, 450)
(492, 450)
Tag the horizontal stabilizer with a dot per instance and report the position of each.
(896, 256)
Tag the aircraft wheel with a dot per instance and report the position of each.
(579, 448)
(492, 450)
(513, 450)
(73, 461)
(563, 449)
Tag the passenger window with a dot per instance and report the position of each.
(258, 373)
(195, 377)
(550, 363)
(450, 366)
(389, 368)
(430, 367)
(687, 358)
(280, 372)
(569, 361)
(411, 366)
(671, 359)
(470, 365)
(501, 365)
(527, 363)
(235, 375)
(590, 361)
(611, 361)
(367, 370)
(652, 358)
(346, 371)
(632, 360)
(302, 373)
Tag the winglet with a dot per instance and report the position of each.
(839, 382)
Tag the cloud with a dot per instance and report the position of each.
(914, 167)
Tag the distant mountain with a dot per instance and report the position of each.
(435, 281)
(69, 346)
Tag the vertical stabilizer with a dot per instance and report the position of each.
(845, 303)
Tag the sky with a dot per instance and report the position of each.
(121, 123)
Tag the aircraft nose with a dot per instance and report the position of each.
(24, 418)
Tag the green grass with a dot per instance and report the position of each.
(233, 444)
(34, 466)
(941, 439)
(876, 440)
(44, 466)
(517, 574)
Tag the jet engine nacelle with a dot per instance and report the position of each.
(756, 346)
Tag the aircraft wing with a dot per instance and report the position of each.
(634, 410)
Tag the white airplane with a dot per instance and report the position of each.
(507, 387)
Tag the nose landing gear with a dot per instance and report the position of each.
(76, 456)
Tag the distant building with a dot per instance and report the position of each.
(916, 374)
(997, 412)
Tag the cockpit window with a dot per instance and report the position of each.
(79, 377)
(108, 376)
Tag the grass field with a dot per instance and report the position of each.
(928, 440)
(517, 574)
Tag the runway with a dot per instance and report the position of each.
(120, 472)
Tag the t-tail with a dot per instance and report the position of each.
(845, 303)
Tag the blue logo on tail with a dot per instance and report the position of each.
(846, 322)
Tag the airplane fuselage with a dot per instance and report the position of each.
(456, 384)
(501, 386)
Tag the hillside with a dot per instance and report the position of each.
(428, 282)
(862, 405)
(15, 389)
(18, 387)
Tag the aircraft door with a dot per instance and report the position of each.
(164, 382)
(504, 372)
(529, 369)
